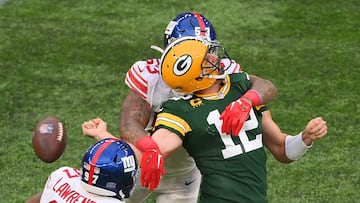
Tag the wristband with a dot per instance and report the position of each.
(253, 96)
(295, 147)
(146, 143)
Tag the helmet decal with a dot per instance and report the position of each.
(129, 163)
(109, 168)
(94, 160)
(201, 24)
(182, 65)
(189, 24)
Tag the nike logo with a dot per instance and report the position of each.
(188, 182)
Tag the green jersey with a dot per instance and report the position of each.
(233, 168)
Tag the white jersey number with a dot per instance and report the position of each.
(231, 149)
(94, 177)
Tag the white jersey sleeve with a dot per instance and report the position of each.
(144, 78)
(63, 186)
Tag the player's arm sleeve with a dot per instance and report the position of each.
(169, 129)
(241, 81)
(135, 79)
(168, 119)
(172, 123)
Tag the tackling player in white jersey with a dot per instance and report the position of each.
(107, 174)
(146, 95)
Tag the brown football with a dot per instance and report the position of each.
(49, 139)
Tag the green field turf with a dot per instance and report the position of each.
(69, 59)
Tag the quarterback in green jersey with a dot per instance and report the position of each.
(232, 162)
(236, 164)
(233, 165)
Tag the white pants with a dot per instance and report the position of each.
(182, 188)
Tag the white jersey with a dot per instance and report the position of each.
(63, 186)
(144, 78)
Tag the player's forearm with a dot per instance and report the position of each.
(134, 116)
(277, 146)
(274, 138)
(167, 141)
(131, 131)
(266, 89)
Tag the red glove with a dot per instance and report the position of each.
(152, 163)
(237, 112)
(152, 169)
(234, 116)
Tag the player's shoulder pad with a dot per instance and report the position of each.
(150, 66)
(240, 81)
(140, 74)
(178, 103)
(241, 76)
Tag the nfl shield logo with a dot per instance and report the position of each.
(46, 128)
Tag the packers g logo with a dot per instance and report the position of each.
(182, 65)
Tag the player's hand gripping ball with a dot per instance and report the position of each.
(49, 139)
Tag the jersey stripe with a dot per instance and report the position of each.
(95, 158)
(201, 23)
(136, 82)
(174, 122)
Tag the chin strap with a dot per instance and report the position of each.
(157, 48)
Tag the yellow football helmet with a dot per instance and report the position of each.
(188, 66)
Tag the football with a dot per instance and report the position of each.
(49, 139)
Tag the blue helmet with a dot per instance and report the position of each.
(109, 168)
(190, 24)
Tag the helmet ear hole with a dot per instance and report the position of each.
(115, 160)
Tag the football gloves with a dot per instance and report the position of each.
(152, 169)
(234, 116)
(152, 163)
(237, 112)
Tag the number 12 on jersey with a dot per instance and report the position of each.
(232, 149)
